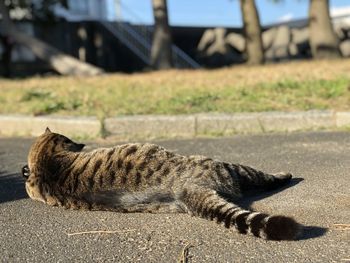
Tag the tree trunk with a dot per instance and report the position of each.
(62, 63)
(161, 54)
(6, 55)
(251, 25)
(323, 40)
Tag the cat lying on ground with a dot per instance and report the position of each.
(148, 178)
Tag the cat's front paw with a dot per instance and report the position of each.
(25, 171)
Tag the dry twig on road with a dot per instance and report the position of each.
(100, 232)
(183, 258)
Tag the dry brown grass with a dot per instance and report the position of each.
(288, 87)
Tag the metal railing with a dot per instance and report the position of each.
(131, 39)
(139, 40)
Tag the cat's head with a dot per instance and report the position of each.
(49, 144)
(55, 142)
(42, 161)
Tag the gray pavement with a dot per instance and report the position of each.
(318, 198)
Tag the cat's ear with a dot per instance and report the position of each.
(47, 130)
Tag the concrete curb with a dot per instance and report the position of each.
(17, 125)
(188, 126)
(151, 126)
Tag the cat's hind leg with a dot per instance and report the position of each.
(250, 178)
(208, 204)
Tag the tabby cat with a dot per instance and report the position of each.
(148, 178)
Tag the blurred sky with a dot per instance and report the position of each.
(220, 12)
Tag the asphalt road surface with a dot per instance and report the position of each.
(319, 198)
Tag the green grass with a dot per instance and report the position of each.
(283, 87)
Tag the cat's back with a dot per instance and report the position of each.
(135, 152)
(146, 156)
(134, 159)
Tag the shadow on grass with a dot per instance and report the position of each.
(11, 187)
(309, 232)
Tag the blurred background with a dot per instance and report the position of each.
(173, 57)
(138, 35)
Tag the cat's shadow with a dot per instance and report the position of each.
(11, 187)
(251, 197)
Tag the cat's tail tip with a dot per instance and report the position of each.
(279, 227)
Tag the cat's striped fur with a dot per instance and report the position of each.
(148, 178)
